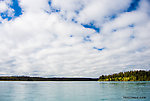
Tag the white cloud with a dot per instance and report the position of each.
(97, 10)
(5, 8)
(4, 5)
(44, 44)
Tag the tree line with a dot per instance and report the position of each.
(28, 78)
(140, 75)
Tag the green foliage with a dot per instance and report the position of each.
(127, 76)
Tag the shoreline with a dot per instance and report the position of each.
(24, 78)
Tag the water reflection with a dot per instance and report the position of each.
(73, 91)
(131, 90)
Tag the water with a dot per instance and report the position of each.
(74, 91)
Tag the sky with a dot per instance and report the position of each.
(73, 38)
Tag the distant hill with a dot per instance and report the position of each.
(27, 78)
(140, 75)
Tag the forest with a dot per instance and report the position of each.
(28, 78)
(140, 75)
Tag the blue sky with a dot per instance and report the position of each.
(84, 38)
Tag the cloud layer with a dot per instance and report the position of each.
(73, 37)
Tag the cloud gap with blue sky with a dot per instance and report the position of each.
(134, 5)
(13, 9)
(81, 38)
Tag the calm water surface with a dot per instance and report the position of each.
(74, 91)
